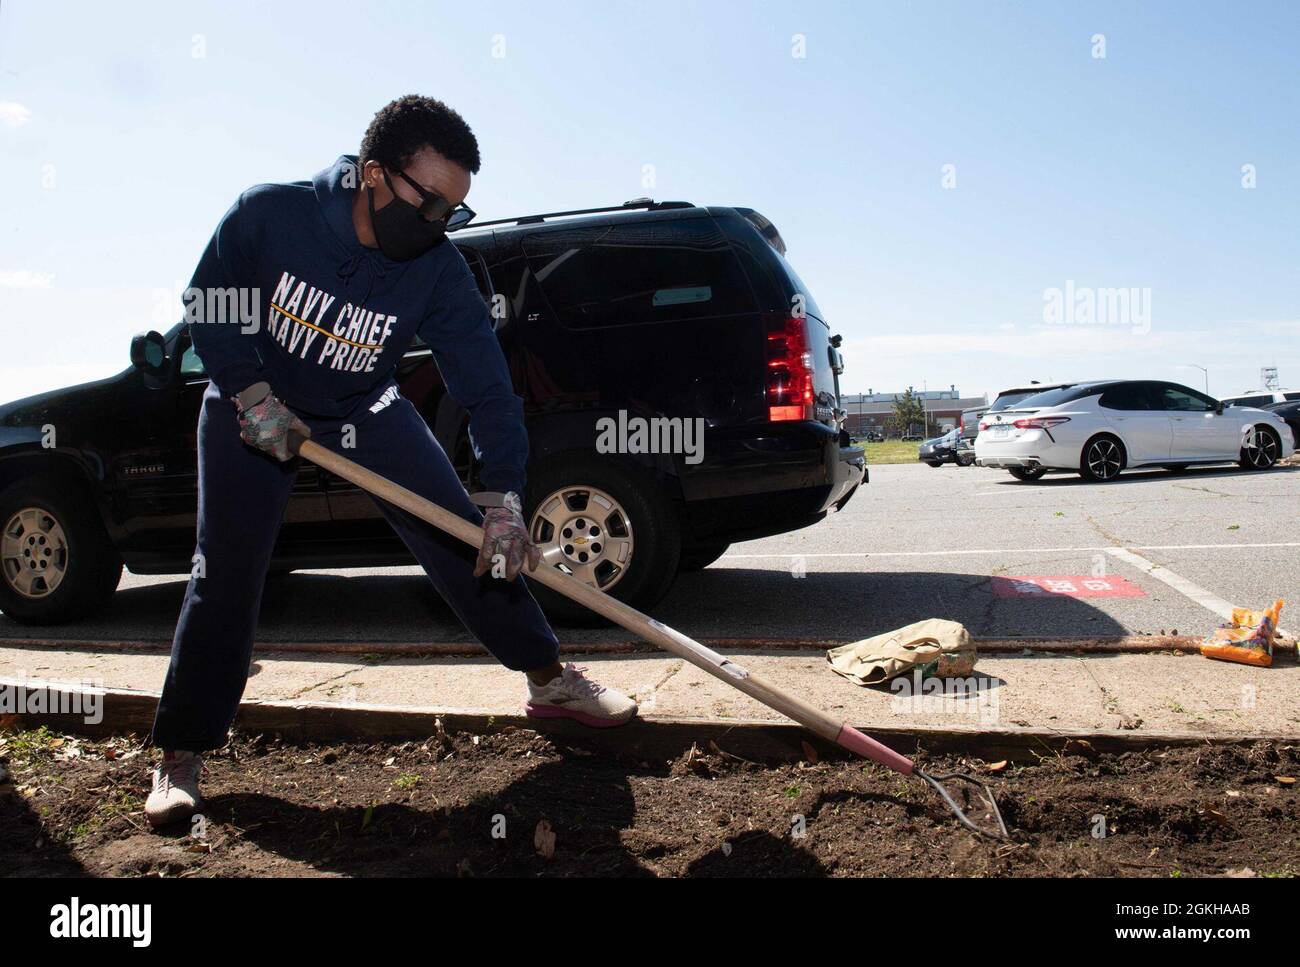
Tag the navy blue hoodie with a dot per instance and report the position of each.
(333, 317)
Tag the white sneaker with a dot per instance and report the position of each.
(571, 695)
(175, 793)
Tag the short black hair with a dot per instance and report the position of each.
(404, 126)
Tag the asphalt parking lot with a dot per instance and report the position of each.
(916, 542)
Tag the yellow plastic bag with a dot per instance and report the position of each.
(1247, 639)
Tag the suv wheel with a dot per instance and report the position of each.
(607, 524)
(56, 562)
(1262, 450)
(1102, 460)
(698, 558)
(1026, 473)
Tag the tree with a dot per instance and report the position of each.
(908, 414)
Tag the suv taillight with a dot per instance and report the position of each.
(790, 394)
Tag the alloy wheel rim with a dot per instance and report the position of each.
(1264, 453)
(1104, 460)
(33, 553)
(583, 531)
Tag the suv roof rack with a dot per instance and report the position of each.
(647, 203)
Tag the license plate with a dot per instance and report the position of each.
(1000, 430)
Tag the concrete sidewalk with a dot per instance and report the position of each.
(1043, 692)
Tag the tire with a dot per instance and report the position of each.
(1102, 459)
(965, 461)
(1266, 451)
(56, 561)
(698, 558)
(1025, 473)
(636, 546)
(934, 463)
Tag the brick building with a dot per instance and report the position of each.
(872, 411)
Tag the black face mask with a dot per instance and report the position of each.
(402, 232)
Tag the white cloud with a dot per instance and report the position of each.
(25, 279)
(14, 114)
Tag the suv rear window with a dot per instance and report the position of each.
(634, 273)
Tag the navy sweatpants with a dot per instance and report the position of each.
(242, 496)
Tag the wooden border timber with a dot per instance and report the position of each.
(126, 711)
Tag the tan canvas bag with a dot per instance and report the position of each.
(937, 647)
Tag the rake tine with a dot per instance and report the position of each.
(938, 783)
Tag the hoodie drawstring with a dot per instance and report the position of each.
(375, 270)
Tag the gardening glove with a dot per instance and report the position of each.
(265, 422)
(505, 533)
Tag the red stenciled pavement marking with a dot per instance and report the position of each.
(1069, 586)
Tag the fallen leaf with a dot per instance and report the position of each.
(810, 753)
(1286, 780)
(996, 766)
(1217, 816)
(544, 839)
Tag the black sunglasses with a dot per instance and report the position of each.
(433, 207)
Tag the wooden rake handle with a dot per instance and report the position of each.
(653, 631)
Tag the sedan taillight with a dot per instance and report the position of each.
(1040, 422)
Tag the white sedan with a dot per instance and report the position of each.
(1101, 428)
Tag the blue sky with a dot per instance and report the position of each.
(127, 130)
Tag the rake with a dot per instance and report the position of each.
(660, 634)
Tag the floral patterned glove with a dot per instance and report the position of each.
(505, 534)
(266, 425)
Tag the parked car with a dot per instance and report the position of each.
(875, 436)
(1100, 428)
(649, 310)
(1290, 412)
(1261, 397)
(969, 423)
(944, 449)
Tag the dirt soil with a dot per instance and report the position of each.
(73, 806)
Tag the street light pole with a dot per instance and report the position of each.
(1207, 376)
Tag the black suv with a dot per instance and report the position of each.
(611, 319)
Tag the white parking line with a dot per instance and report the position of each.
(1105, 548)
(1206, 599)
